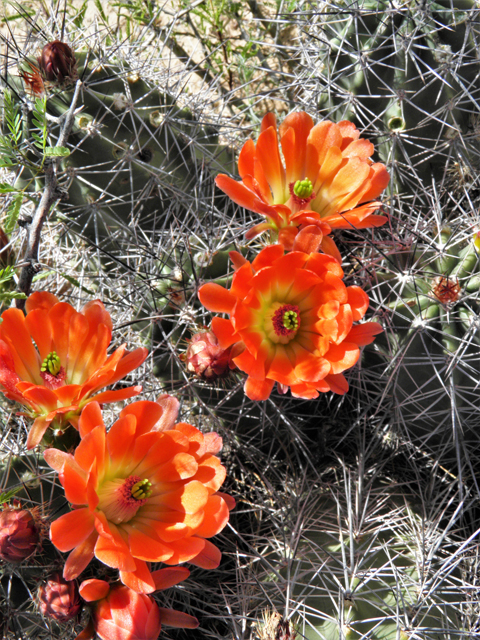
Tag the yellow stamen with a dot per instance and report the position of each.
(51, 364)
(303, 188)
(142, 490)
(290, 320)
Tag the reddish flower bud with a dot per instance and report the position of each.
(57, 62)
(59, 599)
(19, 534)
(128, 615)
(206, 358)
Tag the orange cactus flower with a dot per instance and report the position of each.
(295, 316)
(328, 182)
(146, 491)
(54, 360)
(120, 612)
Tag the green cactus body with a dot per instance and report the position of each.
(432, 307)
(361, 566)
(134, 153)
(406, 68)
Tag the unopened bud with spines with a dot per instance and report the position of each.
(19, 534)
(206, 358)
(59, 599)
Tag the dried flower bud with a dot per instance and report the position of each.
(206, 358)
(33, 80)
(59, 599)
(19, 534)
(57, 62)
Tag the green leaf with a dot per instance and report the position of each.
(6, 496)
(42, 275)
(76, 283)
(98, 4)
(7, 296)
(58, 152)
(6, 188)
(78, 19)
(12, 213)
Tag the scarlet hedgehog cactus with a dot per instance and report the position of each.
(54, 360)
(329, 181)
(293, 316)
(120, 612)
(146, 491)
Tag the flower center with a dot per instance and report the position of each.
(303, 188)
(52, 372)
(301, 192)
(120, 499)
(51, 364)
(282, 322)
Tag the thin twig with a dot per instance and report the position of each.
(51, 194)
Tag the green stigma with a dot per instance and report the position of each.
(290, 320)
(303, 188)
(142, 490)
(51, 364)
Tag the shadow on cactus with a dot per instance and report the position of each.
(352, 558)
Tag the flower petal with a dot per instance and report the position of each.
(178, 619)
(168, 577)
(146, 413)
(189, 498)
(94, 589)
(208, 558)
(90, 418)
(146, 548)
(170, 407)
(71, 529)
(140, 579)
(216, 298)
(185, 549)
(224, 331)
(215, 518)
(80, 557)
(258, 389)
(112, 550)
(363, 334)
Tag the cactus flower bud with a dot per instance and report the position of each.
(447, 289)
(57, 62)
(206, 359)
(59, 599)
(19, 534)
(128, 615)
